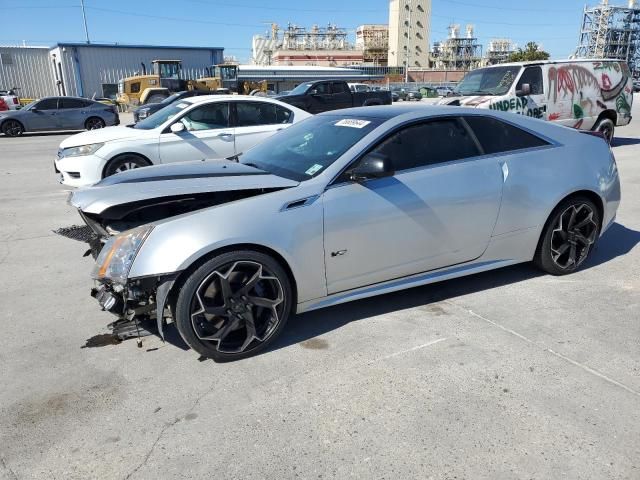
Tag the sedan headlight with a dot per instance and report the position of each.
(81, 150)
(117, 255)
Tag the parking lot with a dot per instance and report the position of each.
(503, 375)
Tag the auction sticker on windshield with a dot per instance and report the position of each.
(182, 105)
(314, 169)
(353, 123)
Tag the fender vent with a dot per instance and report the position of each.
(303, 202)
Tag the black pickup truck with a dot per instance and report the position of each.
(325, 95)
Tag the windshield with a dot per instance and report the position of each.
(306, 149)
(161, 116)
(300, 89)
(488, 81)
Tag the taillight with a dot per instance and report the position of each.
(3, 105)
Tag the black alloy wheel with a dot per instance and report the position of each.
(12, 128)
(94, 123)
(569, 237)
(234, 305)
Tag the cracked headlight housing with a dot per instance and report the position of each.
(117, 255)
(80, 151)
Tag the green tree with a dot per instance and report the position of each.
(530, 53)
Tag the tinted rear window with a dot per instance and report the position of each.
(496, 136)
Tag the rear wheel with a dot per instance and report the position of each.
(94, 123)
(569, 236)
(234, 305)
(124, 163)
(12, 128)
(606, 127)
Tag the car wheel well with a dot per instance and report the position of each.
(610, 114)
(186, 273)
(120, 155)
(590, 194)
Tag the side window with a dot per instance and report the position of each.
(496, 136)
(47, 104)
(428, 143)
(207, 117)
(338, 87)
(72, 103)
(255, 113)
(532, 76)
(135, 87)
(283, 115)
(322, 88)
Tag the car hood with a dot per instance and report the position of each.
(107, 134)
(174, 180)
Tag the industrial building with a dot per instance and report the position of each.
(498, 51)
(85, 70)
(457, 52)
(298, 46)
(373, 41)
(610, 31)
(409, 28)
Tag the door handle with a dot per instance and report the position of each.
(225, 135)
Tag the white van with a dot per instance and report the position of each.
(585, 94)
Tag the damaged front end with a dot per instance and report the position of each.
(131, 300)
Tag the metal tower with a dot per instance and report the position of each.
(610, 31)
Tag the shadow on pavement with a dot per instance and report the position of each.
(622, 141)
(617, 241)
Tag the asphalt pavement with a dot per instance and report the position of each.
(509, 374)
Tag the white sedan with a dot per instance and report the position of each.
(196, 128)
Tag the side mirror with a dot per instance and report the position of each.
(177, 127)
(34, 109)
(525, 90)
(373, 165)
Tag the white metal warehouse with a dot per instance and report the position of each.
(85, 70)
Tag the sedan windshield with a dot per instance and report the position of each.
(161, 116)
(306, 149)
(488, 81)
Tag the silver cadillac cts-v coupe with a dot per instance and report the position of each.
(342, 206)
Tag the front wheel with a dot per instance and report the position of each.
(124, 163)
(234, 305)
(607, 128)
(12, 128)
(568, 237)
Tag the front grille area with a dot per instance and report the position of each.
(74, 174)
(81, 233)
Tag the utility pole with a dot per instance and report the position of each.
(407, 51)
(84, 18)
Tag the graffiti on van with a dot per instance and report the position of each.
(579, 89)
(520, 105)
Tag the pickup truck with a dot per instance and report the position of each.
(325, 95)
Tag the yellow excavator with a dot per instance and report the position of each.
(166, 78)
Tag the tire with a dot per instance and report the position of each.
(568, 237)
(124, 163)
(94, 123)
(12, 128)
(606, 127)
(243, 317)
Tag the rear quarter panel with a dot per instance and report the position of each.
(540, 179)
